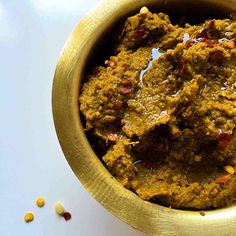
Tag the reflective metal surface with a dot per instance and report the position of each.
(147, 217)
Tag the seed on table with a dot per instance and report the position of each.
(67, 216)
(40, 202)
(59, 208)
(29, 216)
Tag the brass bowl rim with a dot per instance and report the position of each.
(144, 216)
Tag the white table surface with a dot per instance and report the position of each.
(32, 34)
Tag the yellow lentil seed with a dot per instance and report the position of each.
(144, 10)
(229, 169)
(29, 216)
(59, 208)
(40, 202)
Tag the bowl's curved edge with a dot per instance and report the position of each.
(147, 217)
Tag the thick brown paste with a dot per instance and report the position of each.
(162, 111)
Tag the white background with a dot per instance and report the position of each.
(32, 34)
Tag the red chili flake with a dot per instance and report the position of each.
(112, 137)
(212, 24)
(222, 179)
(143, 15)
(208, 42)
(139, 32)
(210, 31)
(66, 215)
(203, 33)
(96, 70)
(125, 90)
(230, 44)
(189, 44)
(216, 56)
(224, 140)
(213, 31)
(117, 106)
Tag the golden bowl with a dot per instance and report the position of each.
(150, 218)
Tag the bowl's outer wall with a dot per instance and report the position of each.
(147, 217)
